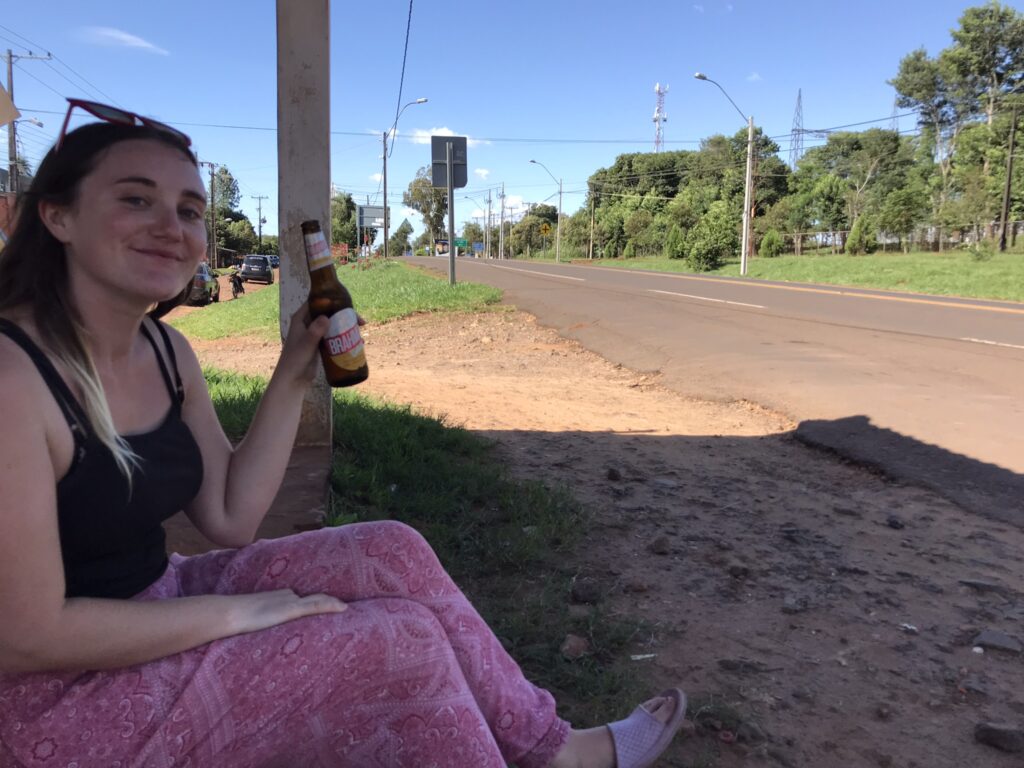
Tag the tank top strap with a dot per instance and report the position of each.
(176, 389)
(66, 401)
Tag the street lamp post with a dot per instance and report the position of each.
(558, 230)
(487, 226)
(748, 183)
(384, 175)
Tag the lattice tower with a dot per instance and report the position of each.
(796, 144)
(659, 117)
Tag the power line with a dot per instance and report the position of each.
(405, 53)
(64, 64)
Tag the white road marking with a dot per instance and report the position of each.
(705, 298)
(542, 274)
(993, 343)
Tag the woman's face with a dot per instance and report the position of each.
(136, 228)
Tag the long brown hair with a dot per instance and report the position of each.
(34, 272)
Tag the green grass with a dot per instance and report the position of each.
(953, 273)
(507, 542)
(385, 291)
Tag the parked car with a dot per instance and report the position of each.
(275, 260)
(205, 287)
(257, 269)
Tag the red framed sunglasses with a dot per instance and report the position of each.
(116, 115)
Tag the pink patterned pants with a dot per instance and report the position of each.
(409, 675)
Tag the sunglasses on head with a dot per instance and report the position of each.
(119, 116)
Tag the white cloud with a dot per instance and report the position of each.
(116, 37)
(753, 77)
(514, 202)
(698, 8)
(422, 136)
(376, 177)
(483, 173)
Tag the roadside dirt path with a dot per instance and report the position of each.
(834, 612)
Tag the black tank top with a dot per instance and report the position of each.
(112, 539)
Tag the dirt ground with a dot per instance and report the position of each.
(835, 611)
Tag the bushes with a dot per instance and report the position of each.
(862, 237)
(713, 239)
(675, 243)
(772, 245)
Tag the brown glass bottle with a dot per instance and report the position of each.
(342, 346)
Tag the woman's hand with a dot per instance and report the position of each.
(299, 355)
(261, 610)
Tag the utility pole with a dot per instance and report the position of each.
(12, 130)
(487, 231)
(501, 226)
(590, 250)
(385, 180)
(259, 218)
(213, 213)
(747, 195)
(1009, 177)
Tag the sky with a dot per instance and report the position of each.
(568, 84)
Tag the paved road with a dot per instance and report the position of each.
(946, 372)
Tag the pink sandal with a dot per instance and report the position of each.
(640, 738)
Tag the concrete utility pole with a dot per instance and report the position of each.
(501, 225)
(748, 193)
(259, 218)
(304, 166)
(213, 213)
(487, 231)
(590, 250)
(12, 129)
(1009, 176)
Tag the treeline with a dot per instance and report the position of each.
(940, 187)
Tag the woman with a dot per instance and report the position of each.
(344, 646)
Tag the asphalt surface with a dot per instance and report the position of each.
(938, 381)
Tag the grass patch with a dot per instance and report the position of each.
(952, 273)
(507, 542)
(386, 291)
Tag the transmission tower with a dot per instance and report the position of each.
(894, 126)
(796, 144)
(659, 117)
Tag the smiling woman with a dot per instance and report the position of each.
(341, 646)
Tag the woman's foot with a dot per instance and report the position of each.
(595, 748)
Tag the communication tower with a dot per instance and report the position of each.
(796, 143)
(659, 117)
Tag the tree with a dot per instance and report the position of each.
(675, 243)
(829, 204)
(772, 245)
(547, 212)
(862, 236)
(343, 220)
(988, 53)
(227, 193)
(473, 233)
(428, 201)
(399, 241)
(903, 210)
(714, 239)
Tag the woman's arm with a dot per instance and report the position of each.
(41, 630)
(239, 484)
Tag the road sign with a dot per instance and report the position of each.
(461, 242)
(545, 229)
(371, 216)
(478, 247)
(439, 161)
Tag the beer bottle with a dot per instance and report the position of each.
(342, 346)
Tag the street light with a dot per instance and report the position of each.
(749, 181)
(558, 231)
(487, 226)
(387, 218)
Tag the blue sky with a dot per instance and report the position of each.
(568, 84)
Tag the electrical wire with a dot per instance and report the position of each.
(401, 81)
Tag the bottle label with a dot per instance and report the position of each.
(343, 342)
(317, 253)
